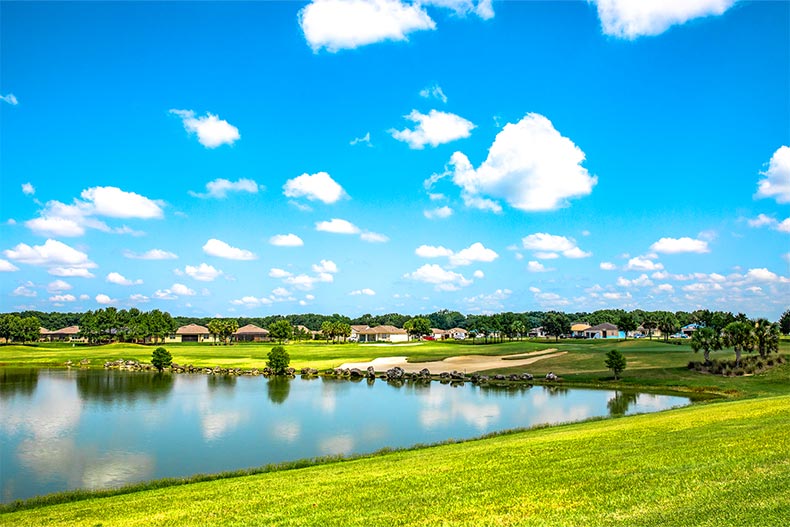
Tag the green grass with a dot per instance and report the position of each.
(718, 464)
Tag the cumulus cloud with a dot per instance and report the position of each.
(439, 212)
(776, 181)
(442, 279)
(429, 251)
(533, 266)
(366, 291)
(373, 237)
(433, 91)
(549, 246)
(28, 189)
(529, 165)
(314, 187)
(640, 263)
(58, 286)
(153, 254)
(433, 129)
(10, 99)
(116, 203)
(117, 278)
(25, 290)
(679, 245)
(7, 267)
(286, 240)
(337, 226)
(476, 252)
(220, 249)
(278, 273)
(479, 274)
(608, 266)
(220, 187)
(63, 298)
(251, 301)
(642, 281)
(210, 129)
(325, 266)
(62, 259)
(202, 272)
(348, 24)
(629, 19)
(181, 289)
(364, 140)
(104, 299)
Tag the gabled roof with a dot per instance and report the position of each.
(44, 331)
(359, 327)
(383, 330)
(603, 327)
(251, 328)
(457, 330)
(192, 329)
(581, 326)
(71, 330)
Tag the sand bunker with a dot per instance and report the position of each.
(463, 363)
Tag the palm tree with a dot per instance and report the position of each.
(518, 328)
(766, 335)
(707, 340)
(740, 337)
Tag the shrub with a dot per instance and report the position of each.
(161, 358)
(278, 360)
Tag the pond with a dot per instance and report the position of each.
(69, 429)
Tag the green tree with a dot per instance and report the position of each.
(740, 337)
(281, 330)
(556, 324)
(668, 324)
(223, 328)
(766, 337)
(518, 329)
(784, 323)
(627, 323)
(650, 324)
(278, 360)
(327, 329)
(616, 362)
(8, 323)
(29, 329)
(707, 340)
(161, 359)
(417, 327)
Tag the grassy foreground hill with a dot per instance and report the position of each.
(717, 464)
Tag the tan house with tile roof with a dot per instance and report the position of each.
(251, 333)
(383, 334)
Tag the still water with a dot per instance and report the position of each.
(62, 429)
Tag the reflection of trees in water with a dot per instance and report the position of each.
(554, 390)
(221, 382)
(619, 404)
(120, 386)
(17, 382)
(516, 389)
(278, 387)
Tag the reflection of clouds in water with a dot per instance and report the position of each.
(52, 458)
(442, 407)
(288, 432)
(215, 425)
(555, 414)
(341, 444)
(647, 402)
(328, 402)
(53, 413)
(116, 469)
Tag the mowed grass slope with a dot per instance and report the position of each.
(719, 464)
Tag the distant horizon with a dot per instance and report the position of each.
(245, 159)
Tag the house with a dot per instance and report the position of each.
(689, 329)
(537, 332)
(602, 331)
(578, 329)
(69, 334)
(457, 333)
(304, 331)
(439, 334)
(355, 330)
(383, 334)
(191, 333)
(251, 333)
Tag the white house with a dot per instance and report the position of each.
(382, 334)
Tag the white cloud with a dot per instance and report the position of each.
(761, 221)
(319, 186)
(280, 292)
(630, 19)
(70, 272)
(476, 252)
(55, 226)
(7, 267)
(251, 301)
(278, 273)
(58, 286)
(366, 291)
(181, 289)
(52, 254)
(348, 24)
(138, 298)
(764, 275)
(533, 266)
(434, 91)
(664, 288)
(365, 140)
(104, 299)
(116, 203)
(117, 278)
(24, 290)
(153, 254)
(63, 298)
(617, 296)
(679, 245)
(547, 246)
(529, 165)
(337, 226)
(784, 225)
(286, 240)
(433, 129)
(429, 251)
(482, 8)
(608, 266)
(373, 237)
(210, 129)
(28, 189)
(203, 272)
(220, 187)
(440, 212)
(220, 249)
(479, 274)
(639, 263)
(325, 266)
(443, 280)
(10, 99)
(776, 183)
(642, 281)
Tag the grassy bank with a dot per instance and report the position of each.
(712, 464)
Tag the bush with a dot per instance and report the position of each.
(161, 358)
(278, 360)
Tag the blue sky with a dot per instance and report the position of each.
(344, 156)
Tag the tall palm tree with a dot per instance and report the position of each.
(766, 335)
(707, 340)
(740, 337)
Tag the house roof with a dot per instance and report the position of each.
(192, 329)
(359, 327)
(251, 329)
(457, 330)
(603, 327)
(44, 331)
(383, 330)
(580, 327)
(71, 330)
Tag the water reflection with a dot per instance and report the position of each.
(621, 402)
(110, 387)
(18, 382)
(277, 388)
(221, 382)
